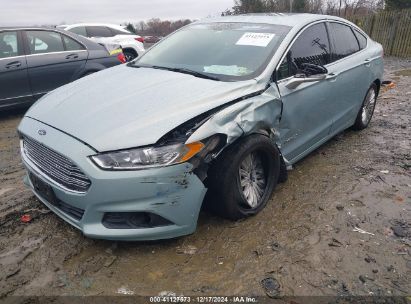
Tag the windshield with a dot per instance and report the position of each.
(224, 51)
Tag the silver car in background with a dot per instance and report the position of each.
(215, 112)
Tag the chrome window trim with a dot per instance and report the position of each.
(34, 168)
(12, 57)
(60, 52)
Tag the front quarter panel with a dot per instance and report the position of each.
(261, 112)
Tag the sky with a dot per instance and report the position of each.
(45, 12)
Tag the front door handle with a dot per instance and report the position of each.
(13, 65)
(332, 77)
(72, 56)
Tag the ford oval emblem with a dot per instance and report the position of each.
(42, 132)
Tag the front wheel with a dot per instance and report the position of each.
(243, 178)
(367, 109)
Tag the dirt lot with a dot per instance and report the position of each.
(340, 225)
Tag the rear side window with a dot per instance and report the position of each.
(312, 46)
(71, 44)
(8, 44)
(44, 42)
(362, 40)
(79, 30)
(344, 41)
(98, 31)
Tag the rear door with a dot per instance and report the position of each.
(351, 64)
(307, 109)
(14, 81)
(54, 60)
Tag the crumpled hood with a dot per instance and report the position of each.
(126, 107)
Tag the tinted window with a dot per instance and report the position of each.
(79, 30)
(312, 46)
(344, 40)
(71, 44)
(44, 42)
(362, 40)
(8, 44)
(98, 31)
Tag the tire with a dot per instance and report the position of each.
(367, 109)
(227, 193)
(129, 55)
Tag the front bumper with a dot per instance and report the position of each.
(174, 192)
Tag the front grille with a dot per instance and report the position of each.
(55, 166)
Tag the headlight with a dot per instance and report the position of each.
(142, 158)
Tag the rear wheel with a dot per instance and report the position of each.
(243, 178)
(367, 109)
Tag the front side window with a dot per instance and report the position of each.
(344, 41)
(227, 51)
(8, 44)
(312, 46)
(41, 42)
(71, 44)
(79, 30)
(98, 31)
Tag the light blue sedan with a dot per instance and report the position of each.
(213, 114)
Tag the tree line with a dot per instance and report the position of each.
(157, 27)
(342, 8)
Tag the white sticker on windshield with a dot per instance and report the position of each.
(255, 39)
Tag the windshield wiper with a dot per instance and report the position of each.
(186, 71)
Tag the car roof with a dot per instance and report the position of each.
(287, 19)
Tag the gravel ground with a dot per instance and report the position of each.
(340, 225)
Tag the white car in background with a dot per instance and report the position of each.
(132, 44)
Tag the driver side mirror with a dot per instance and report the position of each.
(307, 73)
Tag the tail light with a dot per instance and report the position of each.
(122, 58)
(139, 39)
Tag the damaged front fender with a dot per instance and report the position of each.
(251, 115)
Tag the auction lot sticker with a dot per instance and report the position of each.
(255, 39)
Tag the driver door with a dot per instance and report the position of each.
(308, 108)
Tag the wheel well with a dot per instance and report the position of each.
(130, 50)
(378, 84)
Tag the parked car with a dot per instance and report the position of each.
(130, 153)
(132, 44)
(34, 61)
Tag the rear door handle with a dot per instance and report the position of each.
(13, 65)
(367, 62)
(72, 56)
